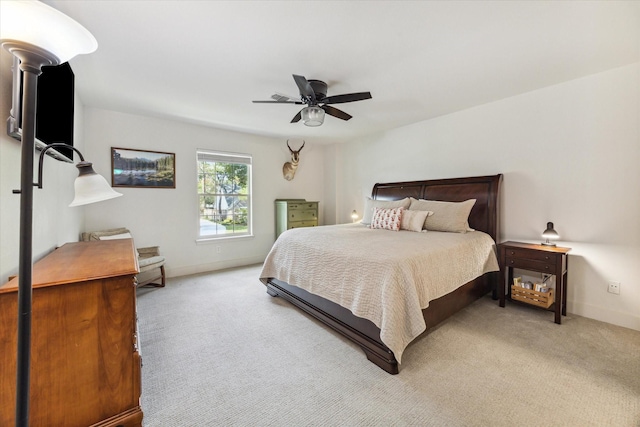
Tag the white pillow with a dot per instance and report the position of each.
(116, 236)
(414, 220)
(387, 218)
(447, 216)
(370, 204)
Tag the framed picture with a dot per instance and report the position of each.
(142, 168)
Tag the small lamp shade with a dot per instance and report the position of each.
(91, 187)
(549, 234)
(312, 116)
(38, 24)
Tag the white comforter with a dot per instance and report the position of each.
(384, 276)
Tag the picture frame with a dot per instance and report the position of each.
(142, 168)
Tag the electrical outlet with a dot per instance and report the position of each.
(614, 288)
(218, 249)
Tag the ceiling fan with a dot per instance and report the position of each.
(314, 94)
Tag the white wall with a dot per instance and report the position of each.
(169, 217)
(569, 154)
(54, 222)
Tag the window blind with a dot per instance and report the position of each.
(217, 156)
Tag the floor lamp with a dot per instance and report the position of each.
(37, 35)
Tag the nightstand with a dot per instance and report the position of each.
(540, 258)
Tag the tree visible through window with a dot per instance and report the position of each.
(224, 194)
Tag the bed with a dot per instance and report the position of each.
(285, 269)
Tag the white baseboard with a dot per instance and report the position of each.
(627, 320)
(212, 266)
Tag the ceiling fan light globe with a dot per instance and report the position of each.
(312, 116)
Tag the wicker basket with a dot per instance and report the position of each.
(539, 299)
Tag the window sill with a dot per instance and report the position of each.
(206, 240)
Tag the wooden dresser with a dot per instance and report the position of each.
(295, 213)
(85, 364)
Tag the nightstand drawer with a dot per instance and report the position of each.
(530, 254)
(530, 264)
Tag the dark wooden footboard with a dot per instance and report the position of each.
(359, 330)
(362, 331)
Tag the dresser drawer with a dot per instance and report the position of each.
(303, 206)
(305, 215)
(530, 264)
(530, 254)
(301, 224)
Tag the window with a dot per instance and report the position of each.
(224, 194)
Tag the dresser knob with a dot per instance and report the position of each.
(546, 257)
(546, 267)
(513, 253)
(511, 262)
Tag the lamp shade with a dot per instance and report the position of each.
(40, 25)
(550, 234)
(91, 187)
(312, 116)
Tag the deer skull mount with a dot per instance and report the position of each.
(289, 168)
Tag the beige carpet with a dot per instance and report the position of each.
(218, 351)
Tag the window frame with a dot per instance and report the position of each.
(203, 155)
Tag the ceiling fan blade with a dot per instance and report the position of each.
(297, 117)
(278, 102)
(332, 111)
(282, 97)
(348, 97)
(305, 88)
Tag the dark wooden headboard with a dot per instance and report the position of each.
(485, 189)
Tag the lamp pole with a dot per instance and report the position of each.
(38, 35)
(32, 59)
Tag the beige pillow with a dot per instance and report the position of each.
(414, 220)
(369, 204)
(447, 216)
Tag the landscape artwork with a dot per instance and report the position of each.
(141, 168)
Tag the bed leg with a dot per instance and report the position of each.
(494, 280)
(389, 365)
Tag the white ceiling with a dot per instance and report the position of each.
(205, 61)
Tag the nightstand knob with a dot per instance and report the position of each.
(511, 262)
(546, 257)
(546, 267)
(512, 253)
